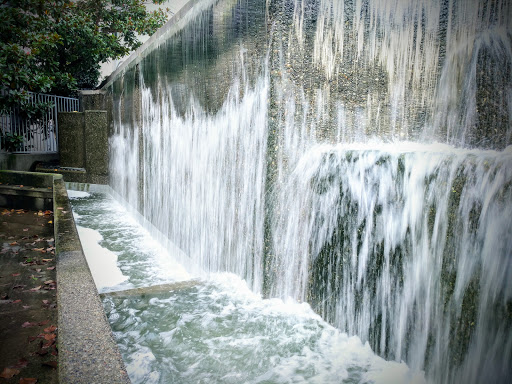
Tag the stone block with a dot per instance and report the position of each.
(96, 142)
(71, 139)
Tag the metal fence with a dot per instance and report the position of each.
(21, 135)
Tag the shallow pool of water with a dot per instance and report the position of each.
(210, 328)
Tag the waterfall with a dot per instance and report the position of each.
(406, 245)
(352, 154)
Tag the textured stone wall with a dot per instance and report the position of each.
(83, 143)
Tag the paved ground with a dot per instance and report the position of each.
(28, 308)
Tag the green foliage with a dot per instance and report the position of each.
(11, 142)
(57, 46)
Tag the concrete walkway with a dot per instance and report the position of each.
(87, 352)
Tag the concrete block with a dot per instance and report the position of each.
(96, 142)
(71, 139)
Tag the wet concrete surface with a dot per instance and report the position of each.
(28, 303)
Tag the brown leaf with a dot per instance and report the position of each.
(18, 286)
(52, 364)
(50, 268)
(48, 344)
(36, 288)
(28, 380)
(16, 301)
(14, 243)
(15, 274)
(22, 363)
(38, 270)
(49, 282)
(27, 324)
(50, 336)
(50, 329)
(47, 260)
(25, 229)
(44, 322)
(7, 373)
(46, 302)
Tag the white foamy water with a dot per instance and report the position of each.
(132, 256)
(102, 262)
(217, 330)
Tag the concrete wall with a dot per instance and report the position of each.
(83, 143)
(25, 161)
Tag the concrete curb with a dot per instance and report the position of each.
(88, 352)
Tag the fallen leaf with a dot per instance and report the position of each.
(36, 288)
(7, 373)
(22, 363)
(50, 329)
(28, 324)
(49, 282)
(52, 364)
(50, 268)
(46, 302)
(14, 243)
(28, 380)
(16, 301)
(18, 286)
(25, 229)
(46, 260)
(50, 222)
(16, 274)
(44, 322)
(48, 344)
(50, 336)
(26, 306)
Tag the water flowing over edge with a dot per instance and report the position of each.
(352, 250)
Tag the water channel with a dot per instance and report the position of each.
(209, 329)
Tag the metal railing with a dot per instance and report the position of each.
(21, 135)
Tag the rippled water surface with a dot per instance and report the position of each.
(212, 329)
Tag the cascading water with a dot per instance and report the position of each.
(268, 139)
(408, 246)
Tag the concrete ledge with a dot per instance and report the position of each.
(26, 190)
(87, 349)
(25, 161)
(35, 179)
